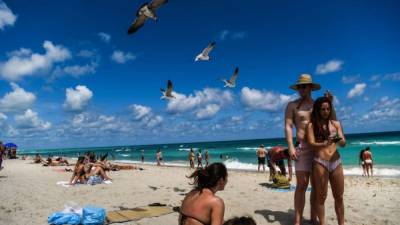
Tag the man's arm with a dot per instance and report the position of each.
(289, 124)
(289, 161)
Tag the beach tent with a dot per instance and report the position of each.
(10, 145)
(11, 148)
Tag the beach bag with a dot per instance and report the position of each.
(280, 181)
(93, 215)
(60, 218)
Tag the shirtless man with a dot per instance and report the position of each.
(261, 153)
(367, 158)
(297, 115)
(276, 157)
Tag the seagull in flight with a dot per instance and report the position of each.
(203, 56)
(147, 10)
(231, 82)
(167, 94)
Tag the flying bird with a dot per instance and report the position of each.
(232, 82)
(147, 10)
(167, 94)
(203, 56)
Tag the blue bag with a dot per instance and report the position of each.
(60, 218)
(93, 215)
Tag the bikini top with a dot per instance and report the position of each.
(332, 129)
(184, 217)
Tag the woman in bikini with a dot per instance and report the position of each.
(79, 172)
(201, 206)
(323, 135)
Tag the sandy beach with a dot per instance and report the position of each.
(29, 194)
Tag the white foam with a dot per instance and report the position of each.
(251, 148)
(376, 143)
(382, 172)
(187, 149)
(125, 155)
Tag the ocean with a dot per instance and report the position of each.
(241, 154)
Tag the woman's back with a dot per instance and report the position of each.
(196, 207)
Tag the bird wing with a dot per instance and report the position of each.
(137, 24)
(162, 90)
(169, 88)
(207, 50)
(234, 76)
(156, 3)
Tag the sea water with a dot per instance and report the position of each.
(241, 154)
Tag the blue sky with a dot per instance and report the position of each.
(70, 76)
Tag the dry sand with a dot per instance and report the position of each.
(29, 194)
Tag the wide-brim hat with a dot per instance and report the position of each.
(305, 79)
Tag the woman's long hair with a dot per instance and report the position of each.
(80, 161)
(209, 176)
(318, 122)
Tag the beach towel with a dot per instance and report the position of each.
(289, 188)
(119, 216)
(64, 184)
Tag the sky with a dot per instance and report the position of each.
(70, 76)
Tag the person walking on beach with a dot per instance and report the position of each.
(361, 162)
(323, 134)
(207, 157)
(297, 115)
(201, 205)
(142, 156)
(199, 159)
(261, 153)
(159, 157)
(191, 158)
(367, 157)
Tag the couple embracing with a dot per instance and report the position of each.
(316, 159)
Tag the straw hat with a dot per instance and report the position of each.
(305, 79)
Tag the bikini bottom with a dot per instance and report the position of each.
(330, 166)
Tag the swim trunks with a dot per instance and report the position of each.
(261, 160)
(305, 157)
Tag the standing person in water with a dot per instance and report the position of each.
(297, 115)
(191, 158)
(142, 156)
(201, 206)
(261, 154)
(361, 162)
(199, 159)
(207, 157)
(367, 157)
(323, 134)
(159, 157)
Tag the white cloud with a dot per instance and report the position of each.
(122, 57)
(384, 109)
(18, 99)
(7, 17)
(264, 100)
(145, 116)
(375, 77)
(357, 90)
(86, 53)
(223, 34)
(208, 112)
(234, 35)
(30, 120)
(104, 37)
(392, 76)
(351, 79)
(139, 111)
(329, 67)
(77, 99)
(199, 101)
(76, 70)
(23, 62)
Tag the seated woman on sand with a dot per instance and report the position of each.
(323, 134)
(79, 172)
(37, 159)
(201, 205)
(97, 174)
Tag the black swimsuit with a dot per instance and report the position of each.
(184, 217)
